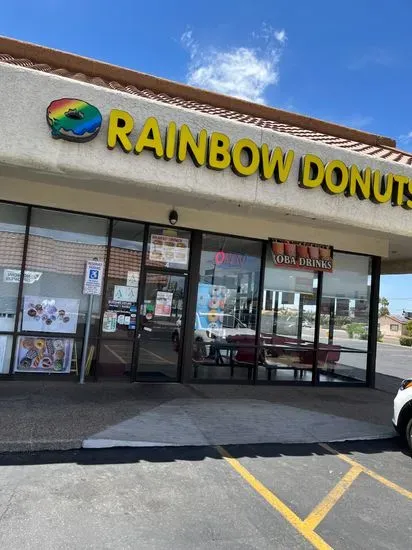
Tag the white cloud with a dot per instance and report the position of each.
(244, 72)
(281, 36)
(405, 138)
(188, 41)
(240, 73)
(377, 57)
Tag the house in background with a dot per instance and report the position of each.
(393, 325)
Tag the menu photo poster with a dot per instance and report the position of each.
(41, 355)
(165, 248)
(45, 314)
(163, 306)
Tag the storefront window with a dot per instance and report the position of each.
(226, 312)
(343, 340)
(53, 305)
(288, 323)
(120, 305)
(168, 247)
(12, 230)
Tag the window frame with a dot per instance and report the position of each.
(194, 263)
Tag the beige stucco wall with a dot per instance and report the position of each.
(134, 208)
(88, 177)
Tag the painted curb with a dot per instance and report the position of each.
(110, 443)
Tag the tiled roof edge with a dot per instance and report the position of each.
(98, 69)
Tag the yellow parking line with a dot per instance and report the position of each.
(119, 357)
(275, 502)
(371, 473)
(326, 505)
(157, 356)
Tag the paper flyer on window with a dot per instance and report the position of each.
(163, 306)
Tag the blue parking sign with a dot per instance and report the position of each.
(93, 274)
(93, 278)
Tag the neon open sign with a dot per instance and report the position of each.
(232, 259)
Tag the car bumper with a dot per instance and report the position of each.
(397, 407)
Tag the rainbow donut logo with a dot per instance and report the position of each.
(73, 120)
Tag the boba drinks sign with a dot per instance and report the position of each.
(298, 255)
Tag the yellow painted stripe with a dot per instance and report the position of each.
(157, 356)
(371, 473)
(275, 502)
(326, 505)
(115, 354)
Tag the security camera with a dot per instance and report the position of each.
(173, 217)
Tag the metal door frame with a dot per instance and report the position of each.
(136, 344)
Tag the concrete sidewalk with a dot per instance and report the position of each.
(38, 415)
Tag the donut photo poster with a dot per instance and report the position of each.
(45, 314)
(40, 355)
(211, 301)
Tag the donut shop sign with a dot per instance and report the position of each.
(76, 120)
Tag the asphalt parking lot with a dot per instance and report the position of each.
(351, 495)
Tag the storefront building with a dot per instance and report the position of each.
(223, 241)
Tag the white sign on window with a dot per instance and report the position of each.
(125, 293)
(13, 276)
(133, 278)
(109, 321)
(93, 278)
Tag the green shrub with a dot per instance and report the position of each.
(355, 329)
(363, 335)
(409, 329)
(405, 341)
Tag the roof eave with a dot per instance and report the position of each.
(98, 69)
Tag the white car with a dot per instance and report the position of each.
(402, 411)
(231, 326)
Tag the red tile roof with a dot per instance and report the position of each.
(75, 67)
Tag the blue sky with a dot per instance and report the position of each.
(341, 61)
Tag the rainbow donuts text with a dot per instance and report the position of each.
(73, 119)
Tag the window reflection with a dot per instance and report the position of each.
(226, 311)
(53, 303)
(344, 319)
(288, 323)
(12, 231)
(120, 302)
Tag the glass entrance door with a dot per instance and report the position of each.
(160, 326)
